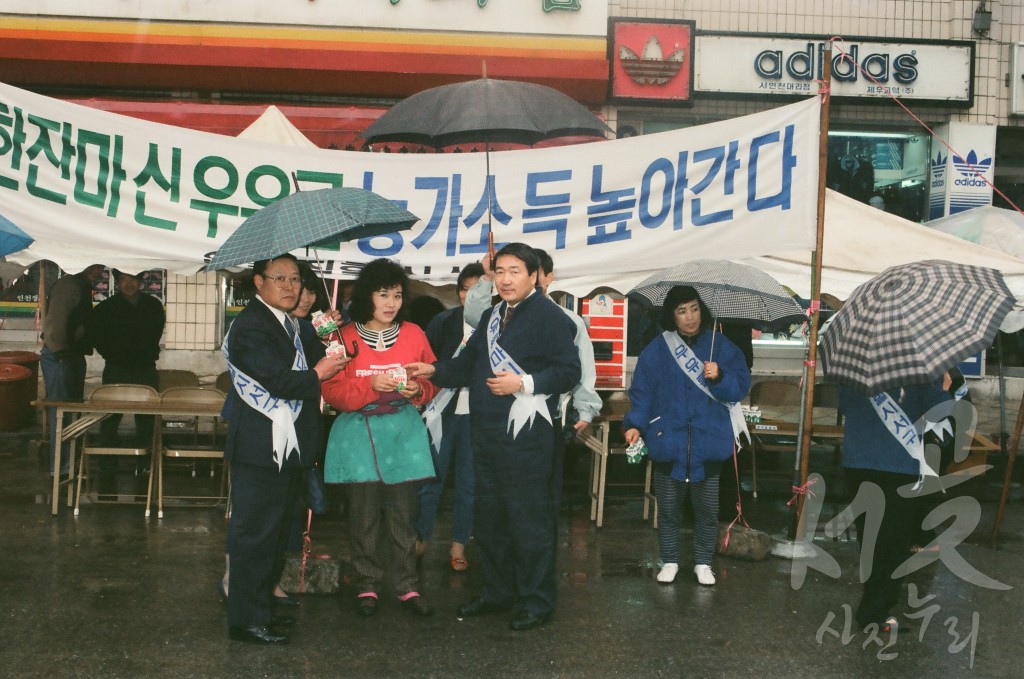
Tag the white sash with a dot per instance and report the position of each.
(281, 412)
(904, 431)
(693, 368)
(526, 406)
(432, 413)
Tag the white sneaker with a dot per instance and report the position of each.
(667, 574)
(704, 574)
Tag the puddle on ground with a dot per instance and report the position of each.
(628, 568)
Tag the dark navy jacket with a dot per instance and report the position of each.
(259, 346)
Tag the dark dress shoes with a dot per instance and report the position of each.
(282, 621)
(479, 606)
(285, 601)
(257, 635)
(528, 620)
(416, 606)
(366, 606)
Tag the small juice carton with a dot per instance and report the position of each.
(399, 375)
(323, 324)
(636, 451)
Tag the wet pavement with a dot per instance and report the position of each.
(113, 594)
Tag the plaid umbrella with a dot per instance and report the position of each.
(912, 322)
(732, 292)
(309, 219)
(12, 239)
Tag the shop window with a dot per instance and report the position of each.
(886, 169)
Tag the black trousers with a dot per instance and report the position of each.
(892, 544)
(114, 373)
(516, 517)
(262, 500)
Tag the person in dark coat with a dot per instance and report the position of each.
(267, 446)
(518, 362)
(874, 456)
(66, 344)
(447, 332)
(126, 328)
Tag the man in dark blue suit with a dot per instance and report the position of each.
(274, 430)
(516, 364)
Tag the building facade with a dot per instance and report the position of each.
(333, 66)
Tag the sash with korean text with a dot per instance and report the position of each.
(526, 406)
(693, 368)
(903, 430)
(432, 413)
(281, 412)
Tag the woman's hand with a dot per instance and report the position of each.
(711, 371)
(412, 389)
(383, 382)
(631, 435)
(505, 383)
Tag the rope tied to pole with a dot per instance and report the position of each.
(804, 489)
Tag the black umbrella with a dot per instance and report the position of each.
(485, 111)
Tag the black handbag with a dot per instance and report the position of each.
(314, 491)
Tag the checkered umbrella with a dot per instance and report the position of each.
(912, 322)
(732, 292)
(309, 219)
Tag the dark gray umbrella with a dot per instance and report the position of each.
(912, 322)
(485, 111)
(310, 219)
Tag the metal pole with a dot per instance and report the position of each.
(807, 408)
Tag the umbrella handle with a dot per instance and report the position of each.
(714, 327)
(355, 345)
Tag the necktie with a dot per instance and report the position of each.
(507, 318)
(290, 329)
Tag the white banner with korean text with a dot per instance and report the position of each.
(91, 186)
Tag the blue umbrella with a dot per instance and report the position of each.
(309, 219)
(12, 239)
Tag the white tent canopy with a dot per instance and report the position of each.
(860, 242)
(275, 128)
(992, 227)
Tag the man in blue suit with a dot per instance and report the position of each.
(274, 430)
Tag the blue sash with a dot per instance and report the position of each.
(693, 368)
(904, 431)
(432, 413)
(526, 406)
(281, 412)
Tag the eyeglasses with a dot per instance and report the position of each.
(284, 281)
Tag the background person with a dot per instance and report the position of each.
(448, 333)
(378, 445)
(66, 344)
(686, 426)
(126, 329)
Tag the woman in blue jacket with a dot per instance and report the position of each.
(681, 397)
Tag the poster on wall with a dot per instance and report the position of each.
(605, 316)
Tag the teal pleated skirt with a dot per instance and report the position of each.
(392, 448)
